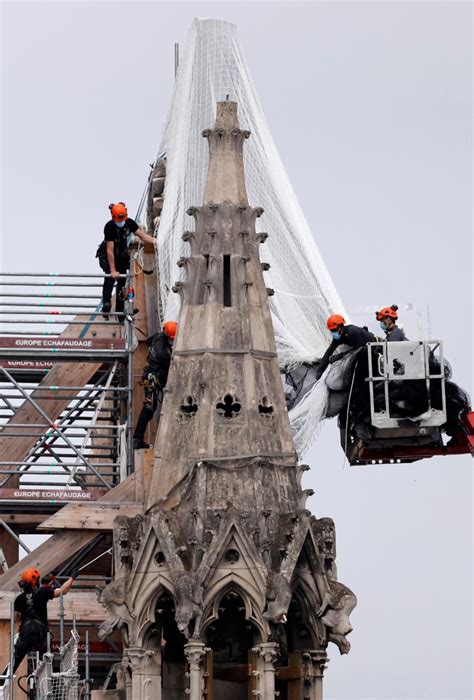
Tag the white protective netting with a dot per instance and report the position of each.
(65, 684)
(212, 68)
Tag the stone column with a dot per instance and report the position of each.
(195, 651)
(145, 665)
(314, 665)
(268, 652)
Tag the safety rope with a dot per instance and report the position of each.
(142, 202)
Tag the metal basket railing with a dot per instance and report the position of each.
(62, 685)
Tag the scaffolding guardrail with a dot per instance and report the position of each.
(77, 437)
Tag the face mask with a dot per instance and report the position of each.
(383, 326)
(336, 335)
(120, 224)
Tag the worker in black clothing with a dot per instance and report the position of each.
(388, 323)
(155, 376)
(342, 334)
(114, 257)
(32, 608)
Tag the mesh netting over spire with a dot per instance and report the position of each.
(212, 68)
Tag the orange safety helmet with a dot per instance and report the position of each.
(119, 211)
(170, 328)
(31, 576)
(334, 322)
(390, 311)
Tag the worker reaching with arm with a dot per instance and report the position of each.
(342, 334)
(31, 607)
(114, 257)
(388, 318)
(155, 376)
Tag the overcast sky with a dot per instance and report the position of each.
(370, 108)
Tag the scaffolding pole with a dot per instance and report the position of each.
(13, 534)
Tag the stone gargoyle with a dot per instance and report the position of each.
(114, 598)
(189, 603)
(337, 604)
(278, 597)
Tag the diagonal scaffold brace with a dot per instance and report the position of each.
(55, 428)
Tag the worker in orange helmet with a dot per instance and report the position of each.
(114, 257)
(388, 323)
(155, 376)
(31, 607)
(342, 334)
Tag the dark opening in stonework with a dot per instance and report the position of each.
(226, 282)
(173, 649)
(228, 407)
(232, 556)
(231, 637)
(188, 408)
(265, 408)
(328, 562)
(297, 629)
(160, 558)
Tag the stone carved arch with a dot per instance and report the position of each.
(241, 583)
(218, 571)
(146, 613)
(252, 608)
(304, 598)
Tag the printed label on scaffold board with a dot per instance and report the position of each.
(51, 495)
(42, 343)
(25, 364)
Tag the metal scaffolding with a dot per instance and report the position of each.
(61, 440)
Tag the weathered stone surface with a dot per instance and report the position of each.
(226, 526)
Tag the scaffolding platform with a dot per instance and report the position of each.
(66, 417)
(65, 392)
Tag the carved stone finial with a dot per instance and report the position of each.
(225, 180)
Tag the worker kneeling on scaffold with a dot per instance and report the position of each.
(154, 379)
(32, 608)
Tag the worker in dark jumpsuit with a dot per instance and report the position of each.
(154, 378)
(388, 323)
(342, 334)
(31, 607)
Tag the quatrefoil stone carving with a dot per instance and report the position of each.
(188, 408)
(229, 406)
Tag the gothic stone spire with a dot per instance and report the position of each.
(227, 554)
(224, 398)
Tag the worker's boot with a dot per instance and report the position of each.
(139, 444)
(106, 310)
